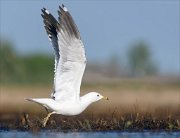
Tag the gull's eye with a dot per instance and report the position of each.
(98, 95)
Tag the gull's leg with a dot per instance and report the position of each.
(46, 119)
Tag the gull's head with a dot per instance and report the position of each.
(95, 96)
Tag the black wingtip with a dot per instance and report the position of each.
(43, 9)
(60, 7)
(42, 15)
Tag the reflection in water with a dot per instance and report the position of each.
(47, 134)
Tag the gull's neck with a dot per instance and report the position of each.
(86, 100)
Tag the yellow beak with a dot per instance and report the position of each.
(105, 98)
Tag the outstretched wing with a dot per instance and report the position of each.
(50, 25)
(72, 61)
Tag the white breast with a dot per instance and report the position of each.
(67, 108)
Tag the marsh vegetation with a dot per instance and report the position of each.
(133, 105)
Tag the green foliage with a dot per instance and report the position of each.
(38, 68)
(140, 60)
(9, 62)
(24, 69)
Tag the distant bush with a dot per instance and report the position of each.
(24, 69)
(140, 60)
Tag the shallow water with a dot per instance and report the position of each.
(48, 134)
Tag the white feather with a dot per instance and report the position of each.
(65, 9)
(47, 11)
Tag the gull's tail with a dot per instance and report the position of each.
(29, 99)
(42, 101)
(36, 100)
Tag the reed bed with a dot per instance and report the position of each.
(126, 122)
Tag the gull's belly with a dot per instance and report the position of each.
(68, 108)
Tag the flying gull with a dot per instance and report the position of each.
(70, 63)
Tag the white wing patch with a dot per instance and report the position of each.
(47, 11)
(65, 9)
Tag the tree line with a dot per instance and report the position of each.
(38, 68)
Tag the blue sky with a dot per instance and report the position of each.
(106, 27)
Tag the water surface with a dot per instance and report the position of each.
(116, 134)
